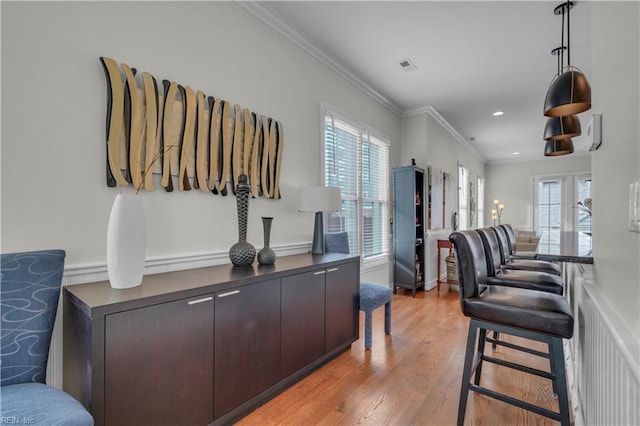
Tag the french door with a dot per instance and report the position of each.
(562, 203)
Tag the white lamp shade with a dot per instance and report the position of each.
(320, 199)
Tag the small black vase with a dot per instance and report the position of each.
(267, 256)
(242, 253)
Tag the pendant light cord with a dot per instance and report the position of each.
(568, 33)
(562, 45)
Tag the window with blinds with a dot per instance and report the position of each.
(463, 198)
(358, 163)
(549, 214)
(480, 204)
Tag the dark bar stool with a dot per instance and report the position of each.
(497, 275)
(509, 262)
(511, 239)
(534, 315)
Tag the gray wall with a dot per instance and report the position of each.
(511, 183)
(615, 93)
(432, 144)
(53, 121)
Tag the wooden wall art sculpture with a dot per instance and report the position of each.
(204, 142)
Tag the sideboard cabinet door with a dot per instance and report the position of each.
(247, 343)
(302, 320)
(342, 305)
(159, 364)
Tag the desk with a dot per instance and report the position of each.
(442, 244)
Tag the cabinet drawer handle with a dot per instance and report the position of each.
(319, 272)
(230, 293)
(205, 299)
(332, 270)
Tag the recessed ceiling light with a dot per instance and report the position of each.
(472, 139)
(516, 153)
(497, 113)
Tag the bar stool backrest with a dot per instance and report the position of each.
(503, 243)
(472, 265)
(492, 250)
(511, 237)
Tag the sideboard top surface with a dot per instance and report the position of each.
(99, 298)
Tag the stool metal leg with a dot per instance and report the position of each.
(481, 341)
(367, 329)
(553, 368)
(387, 318)
(468, 368)
(560, 379)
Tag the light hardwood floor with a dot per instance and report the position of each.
(411, 377)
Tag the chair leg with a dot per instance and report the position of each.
(466, 372)
(481, 341)
(494, 345)
(553, 368)
(560, 379)
(387, 318)
(367, 329)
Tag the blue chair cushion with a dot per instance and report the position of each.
(38, 404)
(29, 290)
(336, 242)
(373, 296)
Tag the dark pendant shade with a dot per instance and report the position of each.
(557, 148)
(558, 128)
(568, 94)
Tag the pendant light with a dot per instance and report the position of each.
(558, 128)
(557, 148)
(569, 92)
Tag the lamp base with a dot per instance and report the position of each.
(318, 235)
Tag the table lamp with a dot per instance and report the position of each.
(319, 199)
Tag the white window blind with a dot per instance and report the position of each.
(358, 163)
(480, 203)
(463, 198)
(549, 214)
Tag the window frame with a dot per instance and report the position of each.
(365, 133)
(464, 216)
(480, 183)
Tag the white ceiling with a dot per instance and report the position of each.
(472, 58)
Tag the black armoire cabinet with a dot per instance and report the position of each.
(408, 228)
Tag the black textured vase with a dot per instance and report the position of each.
(242, 253)
(267, 256)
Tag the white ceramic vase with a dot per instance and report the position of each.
(126, 242)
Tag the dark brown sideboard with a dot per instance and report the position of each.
(206, 345)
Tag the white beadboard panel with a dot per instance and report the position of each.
(605, 356)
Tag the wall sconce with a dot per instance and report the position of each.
(319, 199)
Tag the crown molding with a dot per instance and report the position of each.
(448, 127)
(259, 10)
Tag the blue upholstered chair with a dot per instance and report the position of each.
(29, 290)
(372, 296)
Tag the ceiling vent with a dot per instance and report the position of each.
(407, 65)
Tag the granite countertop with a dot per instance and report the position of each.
(574, 247)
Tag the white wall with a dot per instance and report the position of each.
(511, 183)
(431, 144)
(615, 93)
(53, 123)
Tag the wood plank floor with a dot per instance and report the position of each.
(411, 377)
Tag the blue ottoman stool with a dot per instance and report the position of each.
(373, 296)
